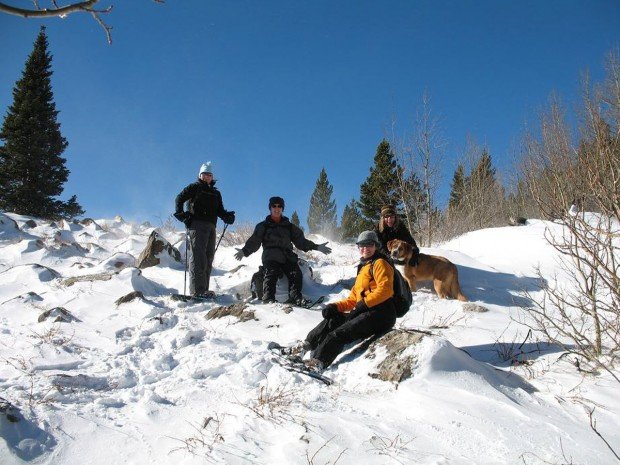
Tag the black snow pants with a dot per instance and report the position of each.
(273, 270)
(331, 335)
(202, 248)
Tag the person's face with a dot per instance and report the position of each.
(367, 251)
(276, 210)
(206, 177)
(389, 220)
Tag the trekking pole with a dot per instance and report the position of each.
(185, 275)
(218, 242)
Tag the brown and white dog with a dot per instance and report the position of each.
(440, 270)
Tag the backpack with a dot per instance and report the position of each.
(402, 292)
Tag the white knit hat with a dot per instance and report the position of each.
(206, 168)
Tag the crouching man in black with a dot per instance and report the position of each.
(368, 310)
(277, 235)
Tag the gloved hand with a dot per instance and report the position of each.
(360, 307)
(229, 217)
(415, 257)
(180, 215)
(239, 255)
(323, 248)
(330, 311)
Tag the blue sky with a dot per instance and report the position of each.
(273, 91)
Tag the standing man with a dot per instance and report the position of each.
(391, 227)
(277, 235)
(205, 206)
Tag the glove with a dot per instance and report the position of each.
(330, 311)
(239, 255)
(180, 216)
(229, 217)
(360, 307)
(415, 257)
(323, 248)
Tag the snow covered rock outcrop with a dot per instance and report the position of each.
(157, 250)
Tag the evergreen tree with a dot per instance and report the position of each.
(381, 186)
(295, 219)
(484, 172)
(414, 202)
(322, 211)
(457, 188)
(352, 222)
(32, 171)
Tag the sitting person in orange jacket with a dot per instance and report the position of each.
(368, 310)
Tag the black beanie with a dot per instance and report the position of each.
(276, 201)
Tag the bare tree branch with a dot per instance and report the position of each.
(38, 12)
(62, 12)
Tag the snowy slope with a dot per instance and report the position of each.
(154, 381)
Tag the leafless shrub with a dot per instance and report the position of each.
(33, 397)
(526, 456)
(52, 335)
(390, 447)
(237, 236)
(206, 436)
(596, 431)
(275, 404)
(444, 321)
(311, 459)
(581, 309)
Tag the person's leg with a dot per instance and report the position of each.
(272, 272)
(295, 281)
(210, 234)
(358, 327)
(318, 334)
(196, 260)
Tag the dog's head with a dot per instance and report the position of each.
(399, 250)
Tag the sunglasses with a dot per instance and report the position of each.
(366, 245)
(389, 216)
(276, 205)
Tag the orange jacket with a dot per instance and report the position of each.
(372, 291)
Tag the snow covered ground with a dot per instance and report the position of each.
(153, 381)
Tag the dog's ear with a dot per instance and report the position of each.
(408, 247)
(390, 243)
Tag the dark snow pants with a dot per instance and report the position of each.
(273, 270)
(202, 248)
(331, 335)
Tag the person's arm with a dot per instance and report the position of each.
(183, 197)
(227, 217)
(255, 240)
(300, 241)
(383, 276)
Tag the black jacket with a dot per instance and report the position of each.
(205, 201)
(277, 240)
(399, 231)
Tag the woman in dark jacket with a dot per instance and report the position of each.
(391, 227)
(205, 206)
(277, 235)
